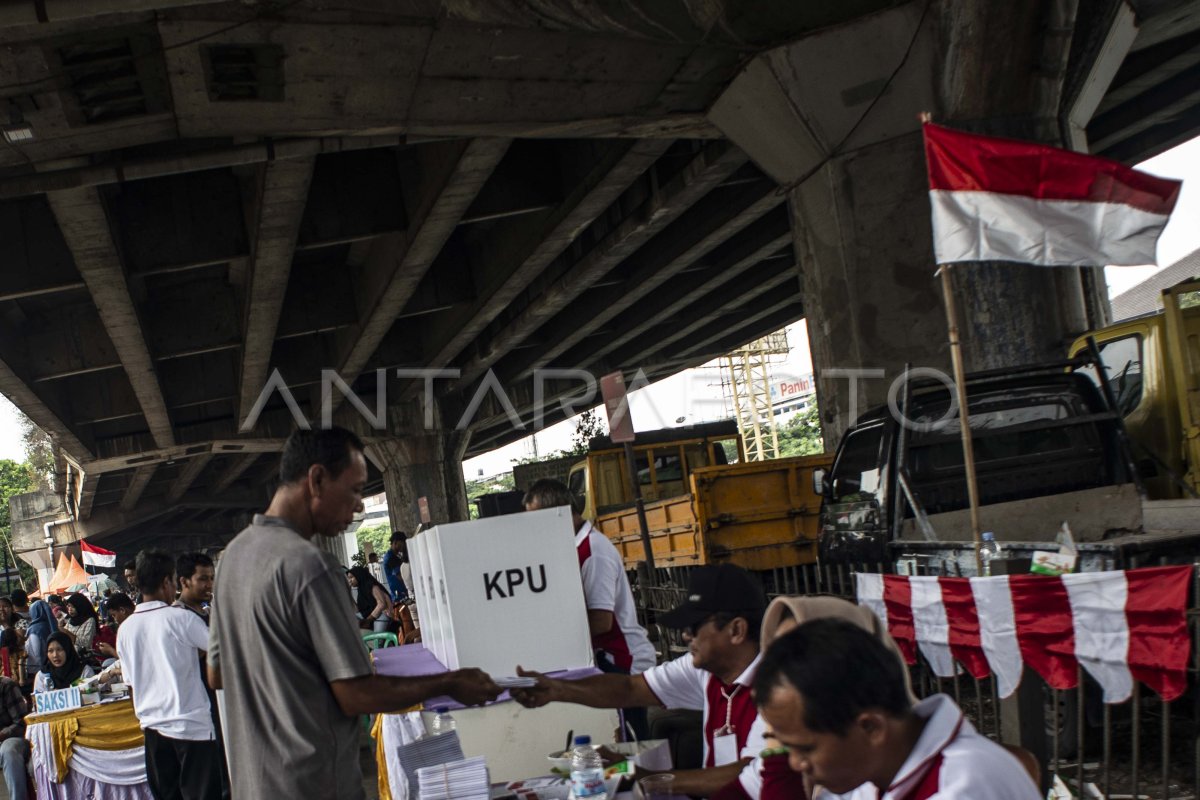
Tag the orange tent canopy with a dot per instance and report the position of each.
(60, 572)
(68, 573)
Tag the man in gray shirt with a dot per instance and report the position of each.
(284, 643)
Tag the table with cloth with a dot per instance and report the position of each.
(95, 752)
(515, 740)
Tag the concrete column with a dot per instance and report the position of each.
(815, 114)
(422, 462)
(873, 301)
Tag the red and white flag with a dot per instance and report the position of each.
(1119, 626)
(1007, 200)
(97, 556)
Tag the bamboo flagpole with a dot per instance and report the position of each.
(1031, 194)
(964, 414)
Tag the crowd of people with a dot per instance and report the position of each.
(800, 698)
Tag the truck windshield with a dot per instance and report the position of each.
(857, 471)
(1123, 361)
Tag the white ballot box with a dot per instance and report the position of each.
(422, 578)
(504, 591)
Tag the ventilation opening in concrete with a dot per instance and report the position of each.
(244, 72)
(111, 78)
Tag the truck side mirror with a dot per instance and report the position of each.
(818, 482)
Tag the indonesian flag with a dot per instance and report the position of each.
(1007, 200)
(97, 556)
(1119, 626)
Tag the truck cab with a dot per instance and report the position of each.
(1043, 438)
(664, 460)
(1152, 363)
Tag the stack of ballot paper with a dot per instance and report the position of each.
(458, 780)
(429, 751)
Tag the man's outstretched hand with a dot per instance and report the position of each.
(473, 687)
(534, 696)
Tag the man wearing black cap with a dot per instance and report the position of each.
(720, 619)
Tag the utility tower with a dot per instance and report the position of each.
(746, 384)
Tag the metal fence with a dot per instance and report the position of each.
(1142, 748)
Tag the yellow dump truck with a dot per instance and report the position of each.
(1153, 365)
(758, 515)
(699, 508)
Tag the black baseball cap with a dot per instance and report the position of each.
(715, 589)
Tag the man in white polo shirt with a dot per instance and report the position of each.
(619, 643)
(160, 648)
(721, 618)
(836, 697)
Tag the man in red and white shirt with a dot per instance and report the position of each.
(620, 644)
(835, 696)
(721, 618)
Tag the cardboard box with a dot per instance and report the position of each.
(504, 591)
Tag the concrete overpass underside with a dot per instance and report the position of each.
(198, 200)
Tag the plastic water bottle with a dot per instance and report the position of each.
(988, 551)
(443, 722)
(587, 770)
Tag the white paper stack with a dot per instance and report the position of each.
(428, 751)
(458, 780)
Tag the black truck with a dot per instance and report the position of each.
(1048, 449)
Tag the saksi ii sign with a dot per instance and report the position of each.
(59, 700)
(496, 583)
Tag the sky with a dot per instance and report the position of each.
(695, 395)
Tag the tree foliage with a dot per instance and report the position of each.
(14, 479)
(379, 536)
(39, 452)
(801, 436)
(588, 425)
(481, 486)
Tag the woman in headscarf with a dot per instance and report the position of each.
(371, 599)
(81, 622)
(63, 665)
(41, 625)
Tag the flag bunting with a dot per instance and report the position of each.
(1120, 626)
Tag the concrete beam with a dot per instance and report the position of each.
(187, 476)
(24, 398)
(398, 262)
(710, 167)
(744, 329)
(730, 261)
(160, 455)
(85, 229)
(85, 493)
(280, 208)
(1163, 102)
(111, 519)
(515, 264)
(137, 485)
(712, 310)
(698, 233)
(232, 472)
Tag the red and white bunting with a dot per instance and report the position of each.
(1119, 626)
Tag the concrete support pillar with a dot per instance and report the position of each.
(873, 301)
(836, 123)
(420, 461)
